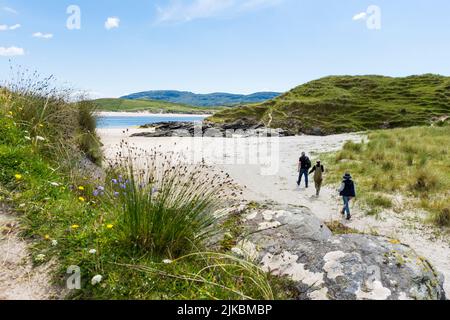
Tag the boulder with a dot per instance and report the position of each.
(290, 241)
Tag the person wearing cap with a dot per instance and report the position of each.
(304, 164)
(318, 170)
(348, 192)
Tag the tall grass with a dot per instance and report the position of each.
(413, 162)
(163, 206)
(58, 119)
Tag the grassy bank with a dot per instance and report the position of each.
(152, 106)
(338, 104)
(152, 234)
(412, 162)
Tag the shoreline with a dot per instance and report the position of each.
(147, 114)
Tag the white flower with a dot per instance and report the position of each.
(55, 184)
(54, 243)
(96, 280)
(39, 138)
(27, 138)
(92, 251)
(167, 261)
(40, 257)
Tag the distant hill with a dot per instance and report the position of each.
(204, 100)
(338, 104)
(126, 105)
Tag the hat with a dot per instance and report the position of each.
(347, 176)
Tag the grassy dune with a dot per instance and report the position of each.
(340, 104)
(413, 162)
(125, 105)
(133, 235)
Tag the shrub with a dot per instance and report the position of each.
(163, 206)
(424, 180)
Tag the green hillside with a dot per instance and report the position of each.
(339, 104)
(125, 105)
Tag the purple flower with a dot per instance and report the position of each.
(123, 186)
(116, 194)
(96, 193)
(114, 181)
(100, 188)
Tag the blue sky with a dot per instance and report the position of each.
(239, 46)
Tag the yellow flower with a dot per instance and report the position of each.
(394, 241)
(110, 226)
(81, 188)
(82, 199)
(47, 237)
(18, 176)
(41, 125)
(75, 226)
(10, 113)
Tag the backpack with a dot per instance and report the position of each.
(308, 163)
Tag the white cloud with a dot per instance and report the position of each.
(112, 22)
(4, 27)
(11, 51)
(10, 10)
(42, 35)
(360, 16)
(188, 10)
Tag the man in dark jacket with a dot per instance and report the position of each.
(318, 170)
(304, 165)
(348, 192)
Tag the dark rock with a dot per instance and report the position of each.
(208, 129)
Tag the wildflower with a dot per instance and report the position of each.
(116, 194)
(39, 138)
(100, 188)
(123, 186)
(40, 257)
(18, 176)
(47, 237)
(95, 193)
(92, 251)
(96, 279)
(27, 138)
(41, 125)
(167, 261)
(394, 241)
(81, 188)
(54, 243)
(110, 226)
(82, 199)
(54, 184)
(75, 226)
(10, 113)
(114, 181)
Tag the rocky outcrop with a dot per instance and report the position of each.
(207, 129)
(291, 241)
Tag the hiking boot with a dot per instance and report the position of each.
(349, 217)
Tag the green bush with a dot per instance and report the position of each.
(165, 208)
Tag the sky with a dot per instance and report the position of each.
(111, 48)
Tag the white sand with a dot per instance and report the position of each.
(281, 187)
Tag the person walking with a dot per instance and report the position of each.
(304, 165)
(347, 191)
(318, 170)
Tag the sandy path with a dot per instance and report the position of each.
(18, 279)
(281, 186)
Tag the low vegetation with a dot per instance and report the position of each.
(137, 231)
(339, 104)
(153, 106)
(413, 163)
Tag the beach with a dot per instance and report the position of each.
(233, 155)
